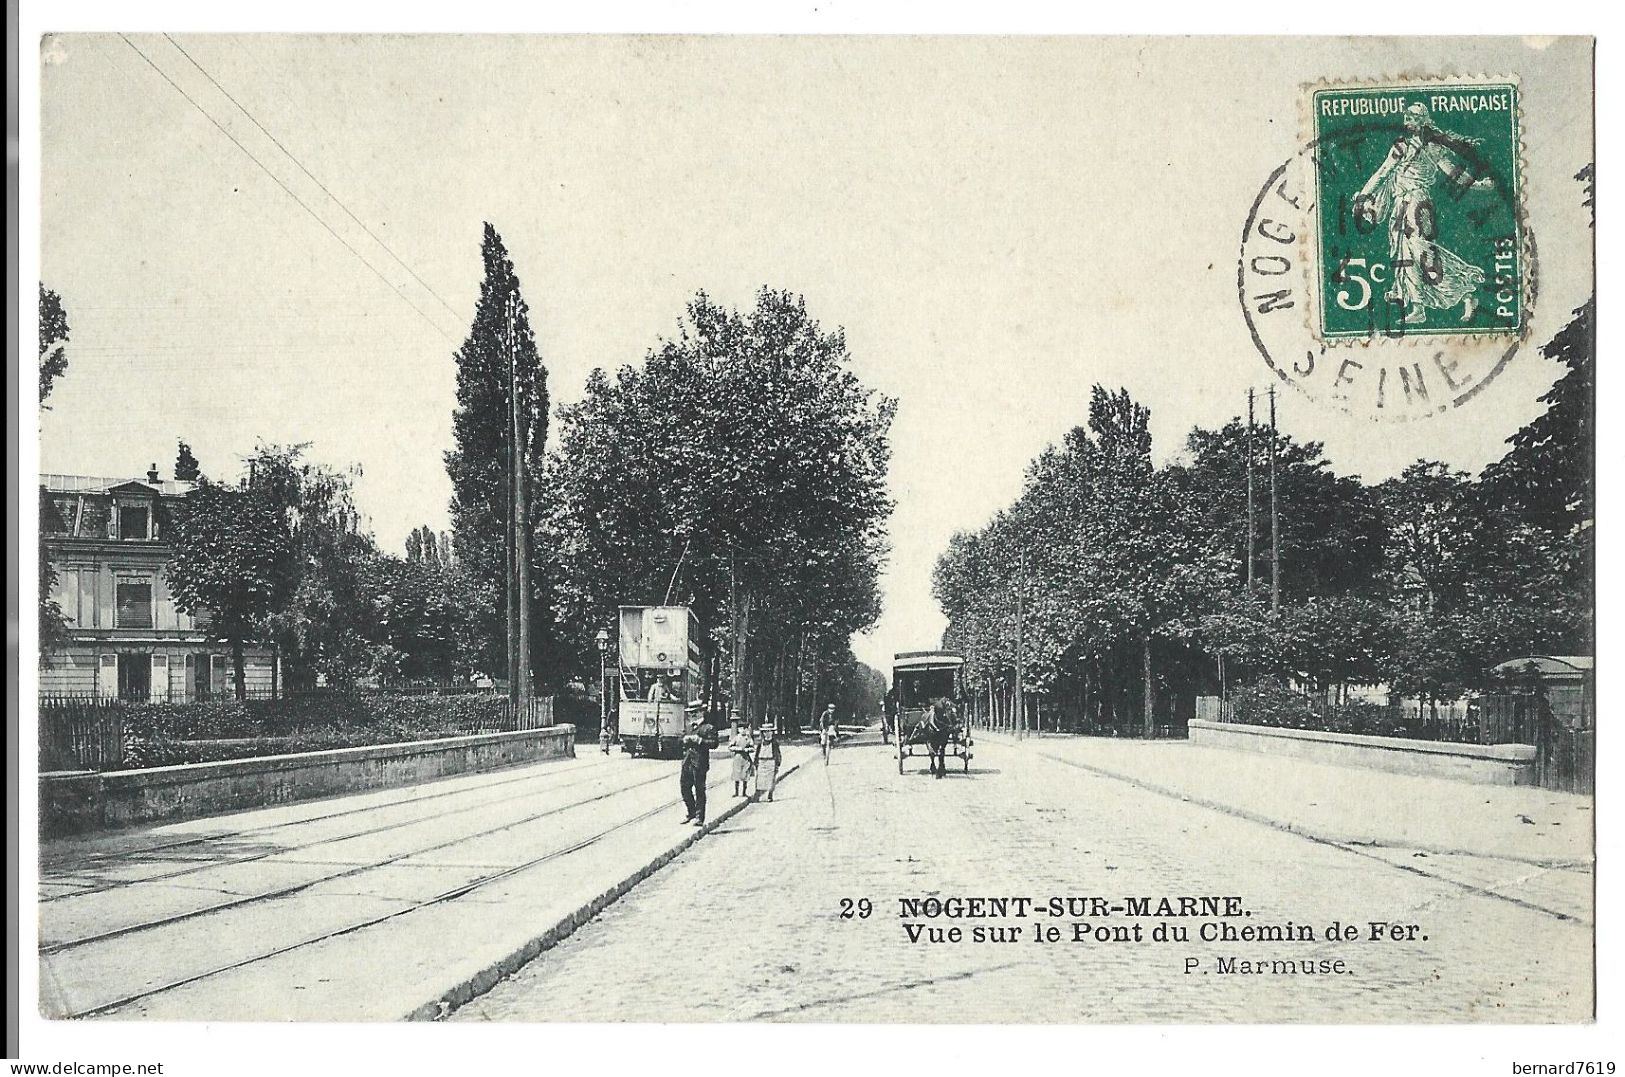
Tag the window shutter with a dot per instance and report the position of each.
(158, 692)
(107, 677)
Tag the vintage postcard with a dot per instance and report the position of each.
(839, 530)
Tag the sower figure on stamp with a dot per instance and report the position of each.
(1400, 195)
(697, 744)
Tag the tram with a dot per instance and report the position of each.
(662, 668)
(923, 681)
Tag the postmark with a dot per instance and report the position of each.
(1387, 268)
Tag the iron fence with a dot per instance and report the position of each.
(503, 716)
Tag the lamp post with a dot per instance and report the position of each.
(603, 690)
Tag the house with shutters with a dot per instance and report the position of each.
(125, 637)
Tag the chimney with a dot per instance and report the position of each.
(152, 473)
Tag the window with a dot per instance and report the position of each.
(135, 677)
(134, 603)
(133, 521)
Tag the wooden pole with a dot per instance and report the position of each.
(511, 606)
(1275, 520)
(521, 520)
(1251, 527)
(1020, 699)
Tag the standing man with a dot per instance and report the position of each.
(768, 759)
(697, 745)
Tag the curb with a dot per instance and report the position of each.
(1349, 844)
(482, 981)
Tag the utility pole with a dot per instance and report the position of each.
(520, 522)
(1020, 699)
(509, 589)
(1275, 520)
(1252, 531)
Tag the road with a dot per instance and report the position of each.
(749, 924)
(352, 908)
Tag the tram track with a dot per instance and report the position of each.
(350, 872)
(205, 839)
(207, 865)
(1330, 843)
(444, 897)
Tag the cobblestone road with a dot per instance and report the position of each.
(749, 926)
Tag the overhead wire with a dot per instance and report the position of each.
(286, 189)
(324, 188)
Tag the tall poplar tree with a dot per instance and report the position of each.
(498, 357)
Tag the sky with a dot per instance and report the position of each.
(998, 224)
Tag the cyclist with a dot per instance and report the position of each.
(828, 731)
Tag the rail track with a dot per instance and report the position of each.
(249, 832)
(413, 905)
(349, 872)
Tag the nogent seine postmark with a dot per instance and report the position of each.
(1386, 268)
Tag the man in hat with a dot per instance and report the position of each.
(768, 759)
(697, 744)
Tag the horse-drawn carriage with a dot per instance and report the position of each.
(926, 689)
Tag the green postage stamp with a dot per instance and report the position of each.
(1418, 221)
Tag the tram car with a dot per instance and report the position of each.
(662, 666)
(921, 680)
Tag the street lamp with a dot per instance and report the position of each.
(603, 690)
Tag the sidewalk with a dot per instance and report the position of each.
(1345, 805)
(389, 905)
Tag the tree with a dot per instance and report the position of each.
(53, 339)
(1150, 570)
(1547, 473)
(421, 619)
(1332, 534)
(1338, 640)
(1108, 557)
(328, 619)
(233, 557)
(740, 470)
(1430, 513)
(53, 623)
(186, 465)
(53, 361)
(498, 359)
(424, 546)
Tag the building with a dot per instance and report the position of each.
(126, 638)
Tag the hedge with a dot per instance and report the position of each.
(167, 734)
(1271, 703)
